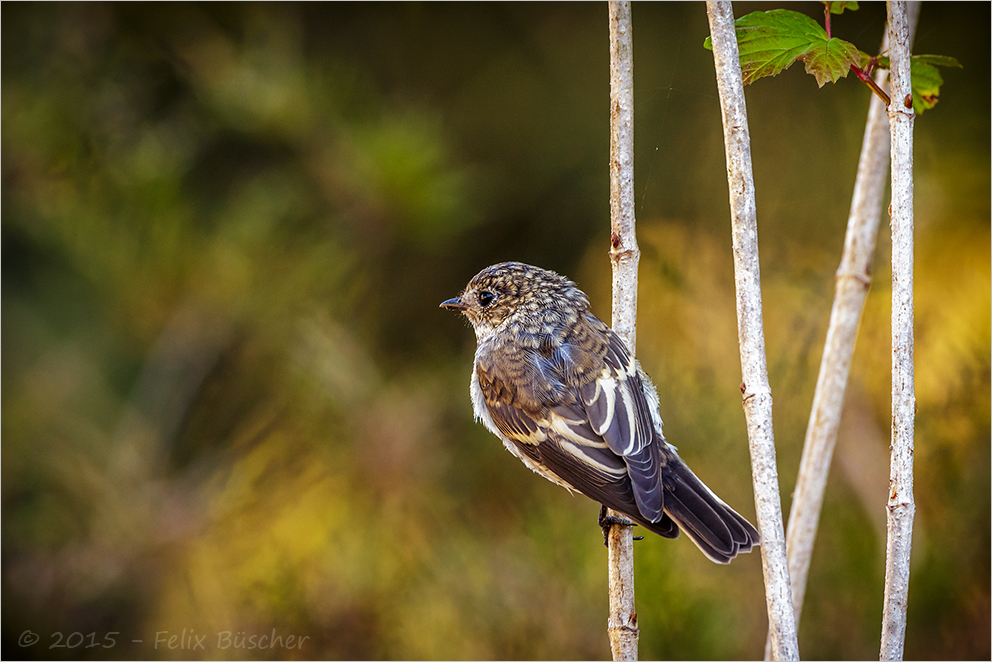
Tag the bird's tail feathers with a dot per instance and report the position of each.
(718, 531)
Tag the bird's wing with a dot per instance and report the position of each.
(563, 443)
(618, 412)
(596, 437)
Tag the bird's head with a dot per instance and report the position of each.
(511, 293)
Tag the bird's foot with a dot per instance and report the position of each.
(607, 522)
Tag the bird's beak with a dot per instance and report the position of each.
(454, 304)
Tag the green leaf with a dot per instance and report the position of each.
(770, 42)
(925, 79)
(926, 82)
(839, 7)
(832, 61)
(937, 60)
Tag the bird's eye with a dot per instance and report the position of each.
(486, 297)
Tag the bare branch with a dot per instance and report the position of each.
(624, 253)
(901, 507)
(853, 280)
(624, 256)
(757, 392)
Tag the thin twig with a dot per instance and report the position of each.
(901, 507)
(757, 392)
(624, 256)
(866, 78)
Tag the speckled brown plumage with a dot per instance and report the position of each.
(563, 393)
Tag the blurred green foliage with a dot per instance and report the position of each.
(230, 402)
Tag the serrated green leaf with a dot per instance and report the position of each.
(769, 42)
(832, 61)
(839, 7)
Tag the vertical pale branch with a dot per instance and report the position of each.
(624, 255)
(853, 279)
(901, 507)
(757, 393)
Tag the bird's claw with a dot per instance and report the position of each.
(607, 522)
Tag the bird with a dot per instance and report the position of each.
(565, 395)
